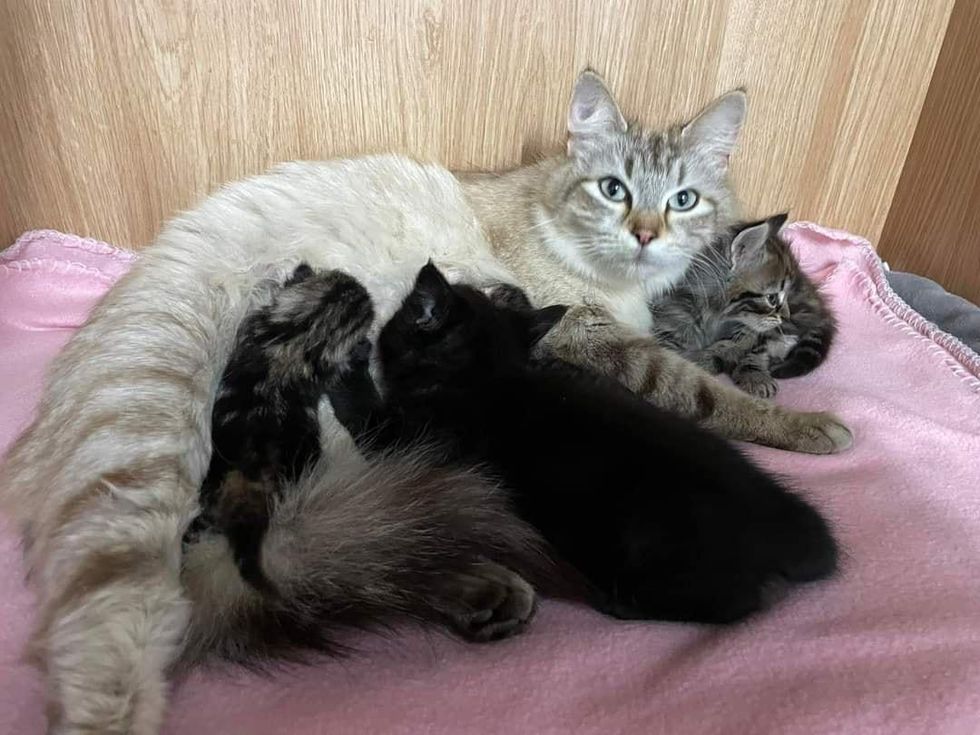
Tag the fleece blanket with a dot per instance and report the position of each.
(890, 646)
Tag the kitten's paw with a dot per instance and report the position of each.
(757, 384)
(821, 433)
(491, 602)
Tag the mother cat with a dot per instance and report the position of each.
(105, 480)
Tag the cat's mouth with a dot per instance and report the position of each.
(657, 254)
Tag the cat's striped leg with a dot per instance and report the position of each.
(588, 336)
(112, 610)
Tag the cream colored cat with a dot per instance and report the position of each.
(105, 480)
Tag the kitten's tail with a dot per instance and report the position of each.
(353, 546)
(807, 354)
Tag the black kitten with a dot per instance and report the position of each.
(264, 426)
(664, 519)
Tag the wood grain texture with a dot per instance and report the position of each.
(117, 114)
(933, 227)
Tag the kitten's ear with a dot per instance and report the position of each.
(777, 221)
(593, 113)
(542, 320)
(749, 246)
(303, 271)
(716, 127)
(507, 296)
(431, 299)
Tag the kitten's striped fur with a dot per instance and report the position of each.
(265, 426)
(746, 309)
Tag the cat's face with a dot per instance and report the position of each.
(762, 274)
(451, 335)
(639, 205)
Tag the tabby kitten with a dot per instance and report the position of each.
(264, 426)
(746, 309)
(618, 487)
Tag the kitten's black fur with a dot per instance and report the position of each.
(664, 519)
(264, 425)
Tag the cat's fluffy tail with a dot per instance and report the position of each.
(355, 545)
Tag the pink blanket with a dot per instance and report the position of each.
(891, 646)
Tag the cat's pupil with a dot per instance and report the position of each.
(682, 197)
(773, 299)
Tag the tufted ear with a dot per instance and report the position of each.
(715, 129)
(749, 246)
(431, 299)
(593, 113)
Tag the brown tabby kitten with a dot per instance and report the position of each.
(264, 426)
(746, 309)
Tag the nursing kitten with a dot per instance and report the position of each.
(265, 422)
(106, 479)
(746, 309)
(619, 488)
(271, 491)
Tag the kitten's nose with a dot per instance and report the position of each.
(644, 236)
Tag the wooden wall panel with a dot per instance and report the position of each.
(933, 227)
(118, 113)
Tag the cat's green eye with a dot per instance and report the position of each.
(613, 189)
(775, 299)
(683, 200)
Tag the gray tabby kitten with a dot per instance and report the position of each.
(746, 309)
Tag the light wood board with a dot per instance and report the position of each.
(116, 114)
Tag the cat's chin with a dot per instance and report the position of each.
(661, 268)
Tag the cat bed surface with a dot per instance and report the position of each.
(890, 646)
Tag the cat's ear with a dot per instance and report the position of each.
(749, 246)
(593, 113)
(715, 129)
(431, 299)
(777, 221)
(540, 321)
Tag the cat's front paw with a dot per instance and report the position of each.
(491, 602)
(757, 384)
(820, 433)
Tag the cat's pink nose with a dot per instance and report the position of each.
(643, 236)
